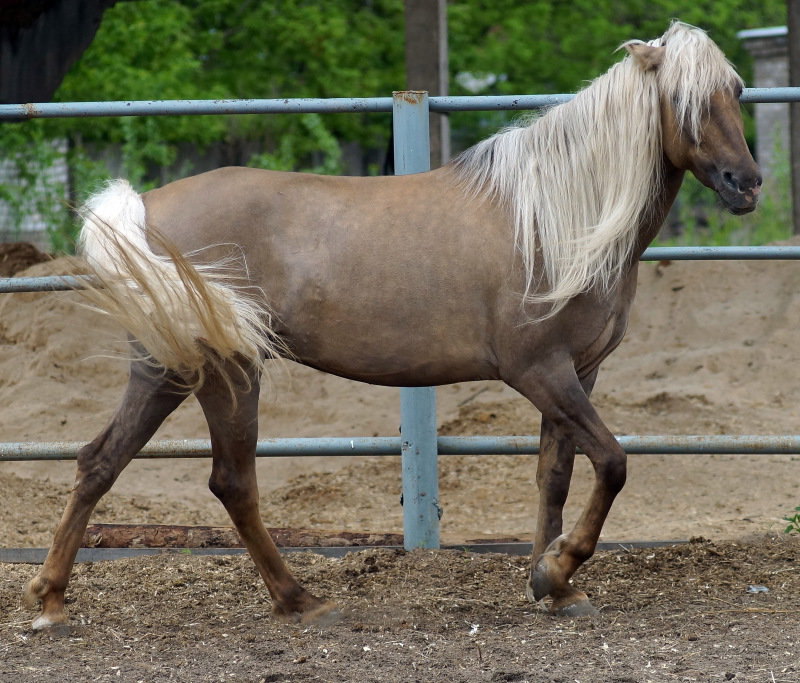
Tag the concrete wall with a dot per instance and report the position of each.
(31, 225)
(770, 70)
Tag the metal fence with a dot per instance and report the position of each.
(419, 445)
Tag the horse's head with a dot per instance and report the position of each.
(718, 155)
(701, 122)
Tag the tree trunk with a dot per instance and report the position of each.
(427, 65)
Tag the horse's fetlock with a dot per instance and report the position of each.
(36, 589)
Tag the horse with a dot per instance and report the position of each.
(531, 241)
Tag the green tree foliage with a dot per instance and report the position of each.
(218, 49)
(552, 46)
(308, 48)
(547, 46)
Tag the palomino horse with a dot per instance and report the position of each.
(531, 243)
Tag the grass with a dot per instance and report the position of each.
(794, 522)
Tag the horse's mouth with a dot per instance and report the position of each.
(739, 205)
(740, 211)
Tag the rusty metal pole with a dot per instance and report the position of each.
(793, 24)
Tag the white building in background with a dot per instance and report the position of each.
(770, 52)
(22, 219)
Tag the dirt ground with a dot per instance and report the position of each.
(669, 614)
(711, 349)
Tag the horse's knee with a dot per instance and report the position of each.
(612, 471)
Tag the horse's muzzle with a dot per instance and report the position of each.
(739, 192)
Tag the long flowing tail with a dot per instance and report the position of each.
(185, 315)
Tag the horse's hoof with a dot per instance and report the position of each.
(319, 614)
(574, 607)
(539, 583)
(327, 613)
(54, 624)
(545, 576)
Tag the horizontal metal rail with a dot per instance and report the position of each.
(744, 253)
(56, 110)
(447, 445)
(52, 283)
(53, 110)
(46, 283)
(38, 555)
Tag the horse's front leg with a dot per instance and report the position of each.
(553, 475)
(569, 420)
(150, 397)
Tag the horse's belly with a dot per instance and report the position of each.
(378, 351)
(420, 375)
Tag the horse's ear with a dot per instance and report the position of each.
(646, 56)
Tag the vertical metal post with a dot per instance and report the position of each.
(793, 25)
(421, 509)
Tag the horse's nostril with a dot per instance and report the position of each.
(729, 180)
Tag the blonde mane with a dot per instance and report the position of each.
(578, 181)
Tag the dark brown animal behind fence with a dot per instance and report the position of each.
(531, 242)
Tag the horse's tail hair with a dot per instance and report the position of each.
(185, 315)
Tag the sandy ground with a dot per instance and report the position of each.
(711, 350)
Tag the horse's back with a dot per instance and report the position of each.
(248, 206)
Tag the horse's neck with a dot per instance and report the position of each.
(662, 203)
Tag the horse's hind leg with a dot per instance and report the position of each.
(564, 403)
(233, 423)
(149, 398)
